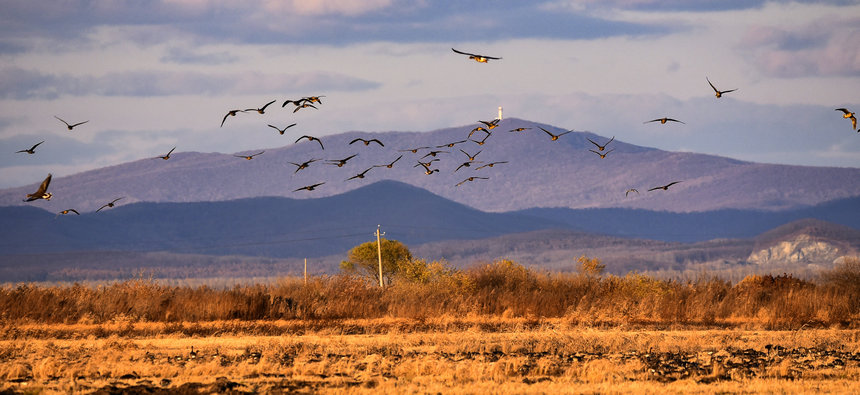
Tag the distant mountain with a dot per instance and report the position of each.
(539, 173)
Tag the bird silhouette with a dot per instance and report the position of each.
(304, 105)
(451, 145)
(553, 136)
(491, 124)
(231, 113)
(630, 190)
(70, 126)
(340, 162)
(303, 165)
(664, 187)
(491, 164)
(413, 150)
(718, 93)
(261, 110)
(360, 175)
(484, 140)
(367, 142)
(284, 130)
(476, 57)
(31, 150)
(663, 120)
(471, 157)
(426, 164)
(313, 99)
(41, 192)
(249, 157)
(166, 157)
(601, 147)
(473, 178)
(477, 129)
(67, 211)
(390, 165)
(849, 115)
(111, 204)
(602, 155)
(465, 164)
(426, 167)
(311, 138)
(518, 129)
(309, 187)
(434, 153)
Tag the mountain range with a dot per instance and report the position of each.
(538, 173)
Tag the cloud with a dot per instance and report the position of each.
(16, 83)
(189, 56)
(821, 48)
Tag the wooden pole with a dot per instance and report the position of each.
(379, 253)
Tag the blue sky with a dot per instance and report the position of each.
(151, 75)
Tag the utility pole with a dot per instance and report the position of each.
(379, 253)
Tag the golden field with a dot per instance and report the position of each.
(497, 328)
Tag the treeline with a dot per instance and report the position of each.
(502, 289)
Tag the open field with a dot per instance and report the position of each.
(471, 354)
(497, 327)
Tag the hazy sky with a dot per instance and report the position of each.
(151, 75)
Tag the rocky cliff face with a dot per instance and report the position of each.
(800, 249)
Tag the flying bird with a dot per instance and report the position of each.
(663, 120)
(72, 126)
(476, 57)
(261, 110)
(67, 211)
(718, 93)
(465, 164)
(340, 162)
(231, 113)
(602, 155)
(42, 192)
(111, 204)
(249, 157)
(601, 147)
(165, 157)
(518, 129)
(491, 124)
(413, 150)
(849, 115)
(304, 105)
(309, 187)
(284, 130)
(434, 153)
(426, 167)
(313, 99)
(390, 165)
(555, 137)
(31, 150)
(450, 145)
(664, 187)
(631, 190)
(491, 164)
(484, 140)
(471, 157)
(367, 142)
(303, 165)
(311, 138)
(359, 175)
(478, 129)
(471, 179)
(426, 164)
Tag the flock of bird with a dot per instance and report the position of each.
(480, 133)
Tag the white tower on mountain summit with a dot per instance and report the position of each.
(500, 112)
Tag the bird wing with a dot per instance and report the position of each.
(224, 120)
(592, 142)
(712, 85)
(463, 53)
(548, 132)
(672, 183)
(67, 124)
(304, 137)
(845, 110)
(674, 120)
(358, 139)
(653, 120)
(170, 152)
(37, 144)
(598, 153)
(74, 211)
(378, 142)
(267, 104)
(79, 123)
(43, 187)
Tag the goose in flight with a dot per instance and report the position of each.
(664, 187)
(359, 175)
(340, 162)
(663, 120)
(491, 124)
(518, 129)
(484, 140)
(304, 105)
(601, 147)
(491, 164)
(389, 165)
(309, 187)
(303, 165)
(718, 93)
(434, 153)
(367, 142)
(261, 110)
(413, 150)
(427, 169)
(166, 157)
(471, 157)
(70, 126)
(42, 192)
(849, 115)
(555, 137)
(231, 113)
(249, 157)
(465, 164)
(31, 150)
(602, 155)
(451, 145)
(111, 204)
(311, 138)
(313, 99)
(478, 129)
(471, 179)
(626, 193)
(284, 130)
(67, 211)
(476, 57)
(426, 164)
